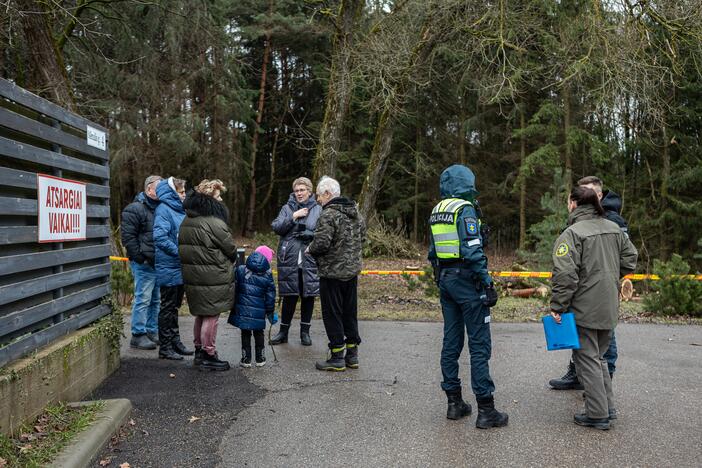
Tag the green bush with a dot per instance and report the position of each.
(424, 282)
(268, 238)
(122, 283)
(672, 294)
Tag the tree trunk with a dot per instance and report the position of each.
(257, 129)
(665, 181)
(386, 124)
(47, 74)
(568, 176)
(417, 153)
(522, 188)
(339, 91)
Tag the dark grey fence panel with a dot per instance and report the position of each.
(24, 234)
(23, 97)
(47, 335)
(25, 125)
(26, 262)
(22, 289)
(48, 290)
(28, 180)
(32, 154)
(14, 206)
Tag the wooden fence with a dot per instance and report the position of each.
(48, 290)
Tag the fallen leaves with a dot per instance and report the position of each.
(3, 462)
(193, 419)
(171, 376)
(105, 461)
(125, 465)
(132, 423)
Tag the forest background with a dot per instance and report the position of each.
(383, 95)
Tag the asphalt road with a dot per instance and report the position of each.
(391, 411)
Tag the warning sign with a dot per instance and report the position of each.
(62, 209)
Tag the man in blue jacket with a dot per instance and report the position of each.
(467, 293)
(137, 237)
(169, 215)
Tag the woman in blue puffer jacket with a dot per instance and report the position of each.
(168, 216)
(254, 300)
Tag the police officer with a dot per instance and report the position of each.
(467, 293)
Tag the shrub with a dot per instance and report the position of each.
(424, 282)
(268, 238)
(672, 294)
(122, 283)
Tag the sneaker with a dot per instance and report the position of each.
(245, 358)
(141, 342)
(260, 357)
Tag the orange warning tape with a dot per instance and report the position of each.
(499, 274)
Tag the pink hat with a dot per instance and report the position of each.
(265, 251)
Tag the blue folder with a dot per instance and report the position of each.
(563, 336)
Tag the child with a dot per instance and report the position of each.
(254, 301)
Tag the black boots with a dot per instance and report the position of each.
(245, 358)
(141, 342)
(199, 355)
(351, 356)
(305, 338)
(153, 337)
(282, 335)
(180, 348)
(260, 357)
(335, 363)
(583, 420)
(568, 382)
(488, 416)
(168, 352)
(212, 362)
(457, 408)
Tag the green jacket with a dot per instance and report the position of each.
(589, 258)
(338, 240)
(207, 251)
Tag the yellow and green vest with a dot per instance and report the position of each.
(444, 228)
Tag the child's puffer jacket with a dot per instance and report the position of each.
(255, 294)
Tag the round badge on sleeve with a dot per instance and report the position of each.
(562, 250)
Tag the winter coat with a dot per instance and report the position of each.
(255, 294)
(612, 204)
(168, 217)
(338, 240)
(295, 236)
(458, 181)
(589, 258)
(137, 229)
(207, 252)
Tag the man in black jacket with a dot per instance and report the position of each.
(137, 237)
(612, 204)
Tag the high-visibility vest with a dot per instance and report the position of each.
(444, 227)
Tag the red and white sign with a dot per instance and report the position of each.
(62, 209)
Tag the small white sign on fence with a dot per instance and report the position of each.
(62, 209)
(96, 138)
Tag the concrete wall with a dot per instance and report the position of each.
(67, 370)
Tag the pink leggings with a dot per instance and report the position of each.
(205, 332)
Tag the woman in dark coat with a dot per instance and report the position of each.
(207, 253)
(297, 272)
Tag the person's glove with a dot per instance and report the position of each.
(305, 236)
(272, 317)
(489, 298)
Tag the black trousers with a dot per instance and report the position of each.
(246, 339)
(306, 308)
(340, 310)
(171, 300)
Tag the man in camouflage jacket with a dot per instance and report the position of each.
(337, 245)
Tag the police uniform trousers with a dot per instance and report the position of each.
(593, 372)
(462, 307)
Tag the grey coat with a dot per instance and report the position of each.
(295, 236)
